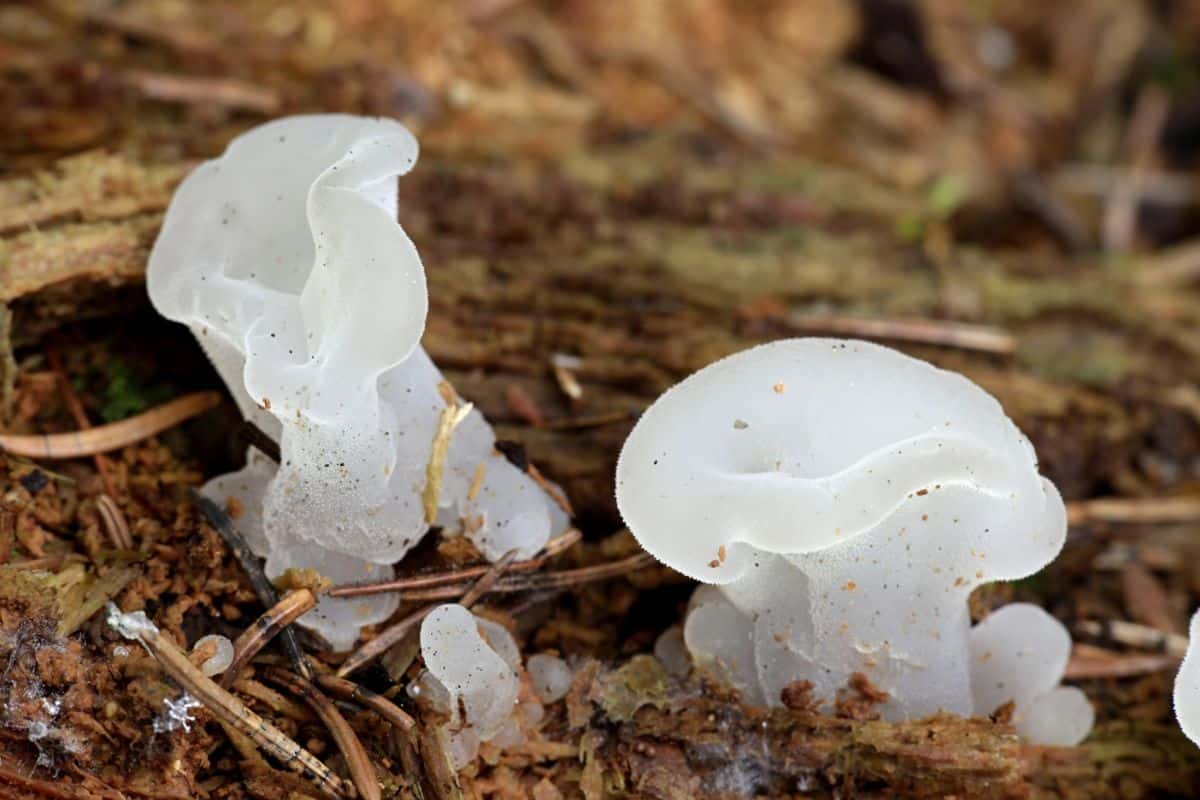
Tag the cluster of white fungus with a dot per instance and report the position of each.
(1018, 655)
(473, 666)
(285, 259)
(843, 500)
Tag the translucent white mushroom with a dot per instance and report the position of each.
(550, 675)
(671, 651)
(846, 499)
(1187, 684)
(479, 673)
(1019, 654)
(285, 259)
(222, 655)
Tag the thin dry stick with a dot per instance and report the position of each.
(1172, 266)
(260, 439)
(1141, 139)
(293, 605)
(56, 789)
(544, 581)
(553, 547)
(114, 522)
(394, 633)
(1093, 662)
(114, 436)
(556, 493)
(1145, 510)
(76, 409)
(191, 90)
(381, 643)
(1132, 634)
(344, 737)
(980, 338)
(348, 690)
(234, 713)
(234, 540)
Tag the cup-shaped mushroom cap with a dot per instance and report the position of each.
(800, 445)
(1018, 654)
(275, 242)
(1187, 684)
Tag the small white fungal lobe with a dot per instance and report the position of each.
(480, 673)
(844, 499)
(220, 660)
(1019, 653)
(550, 675)
(285, 259)
(1187, 684)
(134, 625)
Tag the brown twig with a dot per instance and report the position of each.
(220, 521)
(293, 605)
(538, 582)
(1131, 634)
(80, 416)
(1135, 510)
(344, 737)
(979, 338)
(1173, 266)
(386, 638)
(389, 636)
(553, 547)
(114, 522)
(192, 90)
(348, 690)
(258, 438)
(556, 493)
(1141, 140)
(1089, 662)
(492, 581)
(45, 788)
(114, 436)
(234, 713)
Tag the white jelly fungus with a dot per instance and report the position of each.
(550, 675)
(1187, 684)
(1018, 655)
(222, 655)
(477, 662)
(285, 259)
(844, 499)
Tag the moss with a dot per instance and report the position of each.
(640, 682)
(128, 392)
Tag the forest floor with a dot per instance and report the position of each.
(611, 196)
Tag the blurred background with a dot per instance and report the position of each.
(613, 194)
